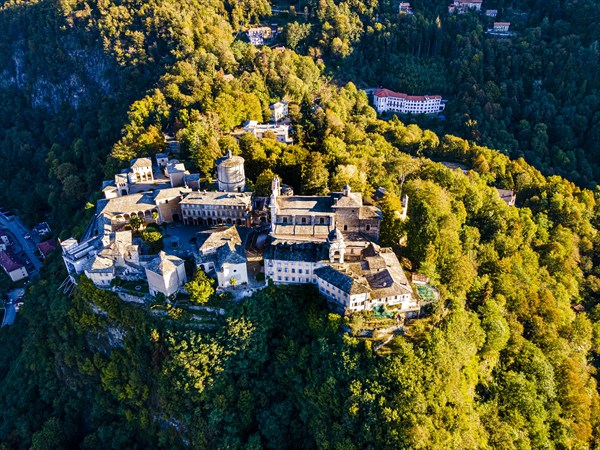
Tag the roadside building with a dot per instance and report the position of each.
(162, 160)
(46, 247)
(13, 265)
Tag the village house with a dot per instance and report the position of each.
(12, 265)
(491, 13)
(216, 208)
(46, 247)
(165, 274)
(258, 35)
(261, 130)
(222, 256)
(175, 171)
(390, 101)
(405, 8)
(501, 27)
(279, 111)
(508, 196)
(462, 6)
(41, 229)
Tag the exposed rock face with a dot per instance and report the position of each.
(83, 74)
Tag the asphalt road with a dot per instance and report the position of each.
(9, 315)
(18, 231)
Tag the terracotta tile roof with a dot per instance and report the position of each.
(10, 261)
(47, 246)
(415, 98)
(388, 93)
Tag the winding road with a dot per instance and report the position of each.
(18, 231)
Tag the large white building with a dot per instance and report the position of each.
(375, 279)
(390, 101)
(76, 256)
(216, 208)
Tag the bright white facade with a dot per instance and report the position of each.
(281, 132)
(279, 111)
(77, 255)
(165, 274)
(141, 171)
(390, 101)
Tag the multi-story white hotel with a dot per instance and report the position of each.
(390, 101)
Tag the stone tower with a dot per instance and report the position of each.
(230, 173)
(337, 246)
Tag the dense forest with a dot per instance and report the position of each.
(500, 361)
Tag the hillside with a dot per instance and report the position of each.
(501, 361)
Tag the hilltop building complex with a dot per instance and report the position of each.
(329, 241)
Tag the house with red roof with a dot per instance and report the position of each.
(501, 27)
(12, 265)
(390, 101)
(46, 247)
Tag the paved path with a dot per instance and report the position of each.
(18, 230)
(9, 315)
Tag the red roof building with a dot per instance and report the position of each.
(12, 265)
(390, 101)
(46, 247)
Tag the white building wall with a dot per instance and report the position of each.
(18, 274)
(229, 271)
(291, 272)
